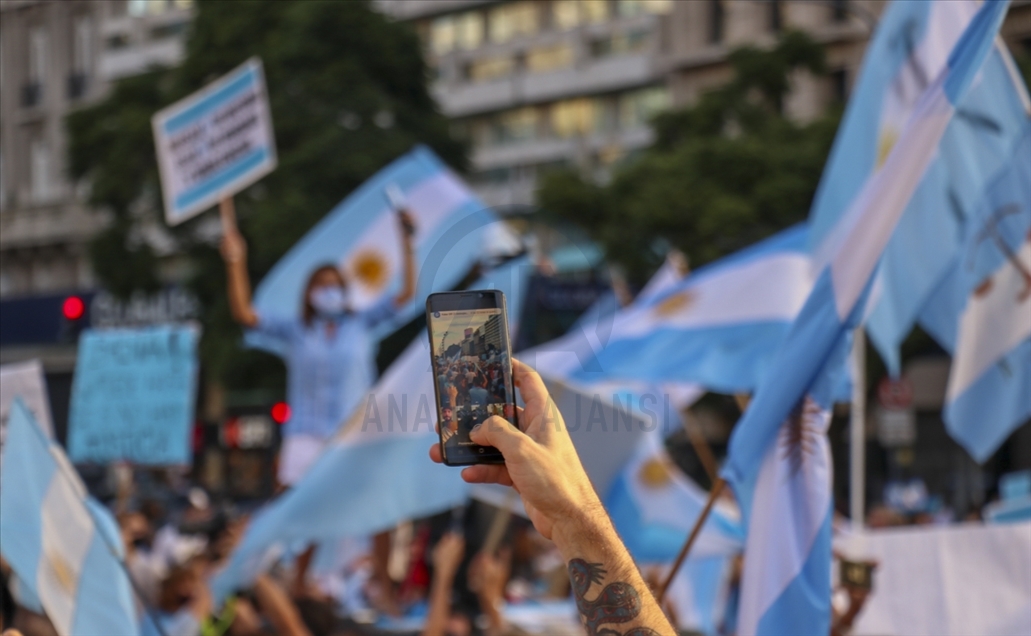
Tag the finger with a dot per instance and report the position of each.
(530, 384)
(435, 454)
(487, 474)
(500, 433)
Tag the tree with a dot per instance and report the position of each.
(722, 174)
(348, 93)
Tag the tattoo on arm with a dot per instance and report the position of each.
(617, 602)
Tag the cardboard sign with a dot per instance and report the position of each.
(215, 142)
(133, 396)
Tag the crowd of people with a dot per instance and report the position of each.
(471, 388)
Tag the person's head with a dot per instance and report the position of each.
(325, 293)
(446, 413)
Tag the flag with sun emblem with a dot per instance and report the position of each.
(778, 461)
(908, 51)
(454, 230)
(63, 545)
(717, 328)
(981, 312)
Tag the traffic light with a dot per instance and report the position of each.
(280, 412)
(73, 313)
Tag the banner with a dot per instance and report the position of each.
(133, 396)
(215, 142)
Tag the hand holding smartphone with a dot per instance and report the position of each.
(472, 370)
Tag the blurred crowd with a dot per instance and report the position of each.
(447, 575)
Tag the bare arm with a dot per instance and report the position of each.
(542, 464)
(446, 556)
(234, 253)
(408, 249)
(278, 607)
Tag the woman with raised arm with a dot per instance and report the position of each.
(331, 355)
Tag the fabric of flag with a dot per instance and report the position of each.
(64, 546)
(910, 49)
(376, 473)
(981, 312)
(778, 461)
(717, 328)
(654, 506)
(454, 231)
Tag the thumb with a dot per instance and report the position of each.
(500, 433)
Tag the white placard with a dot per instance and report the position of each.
(215, 142)
(25, 380)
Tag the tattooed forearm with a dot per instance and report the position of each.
(617, 602)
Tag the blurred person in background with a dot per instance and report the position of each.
(331, 356)
(440, 619)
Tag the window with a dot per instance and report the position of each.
(32, 92)
(715, 21)
(629, 8)
(636, 108)
(565, 14)
(549, 58)
(513, 20)
(487, 69)
(839, 10)
(82, 35)
(468, 30)
(594, 10)
(572, 117)
(776, 19)
(839, 85)
(516, 125)
(442, 35)
(620, 44)
(39, 170)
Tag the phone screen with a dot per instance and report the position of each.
(472, 370)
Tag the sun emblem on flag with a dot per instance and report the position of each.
(800, 437)
(370, 268)
(62, 571)
(885, 143)
(675, 303)
(655, 473)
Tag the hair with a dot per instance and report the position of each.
(307, 310)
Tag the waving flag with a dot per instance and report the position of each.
(909, 50)
(718, 328)
(981, 312)
(64, 546)
(779, 461)
(454, 231)
(376, 473)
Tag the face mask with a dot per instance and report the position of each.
(329, 301)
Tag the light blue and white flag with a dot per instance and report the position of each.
(910, 49)
(454, 231)
(64, 546)
(981, 312)
(779, 461)
(376, 473)
(717, 328)
(654, 506)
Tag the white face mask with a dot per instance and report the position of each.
(329, 301)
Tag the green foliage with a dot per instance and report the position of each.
(331, 68)
(722, 174)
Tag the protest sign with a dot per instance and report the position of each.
(133, 396)
(24, 380)
(215, 142)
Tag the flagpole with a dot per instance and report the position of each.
(717, 488)
(857, 431)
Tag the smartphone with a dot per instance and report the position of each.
(471, 356)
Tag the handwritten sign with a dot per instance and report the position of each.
(133, 396)
(215, 142)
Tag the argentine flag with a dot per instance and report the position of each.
(910, 49)
(779, 461)
(63, 545)
(376, 473)
(717, 328)
(454, 231)
(981, 312)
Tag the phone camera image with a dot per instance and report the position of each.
(472, 375)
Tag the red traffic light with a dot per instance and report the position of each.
(73, 308)
(280, 412)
